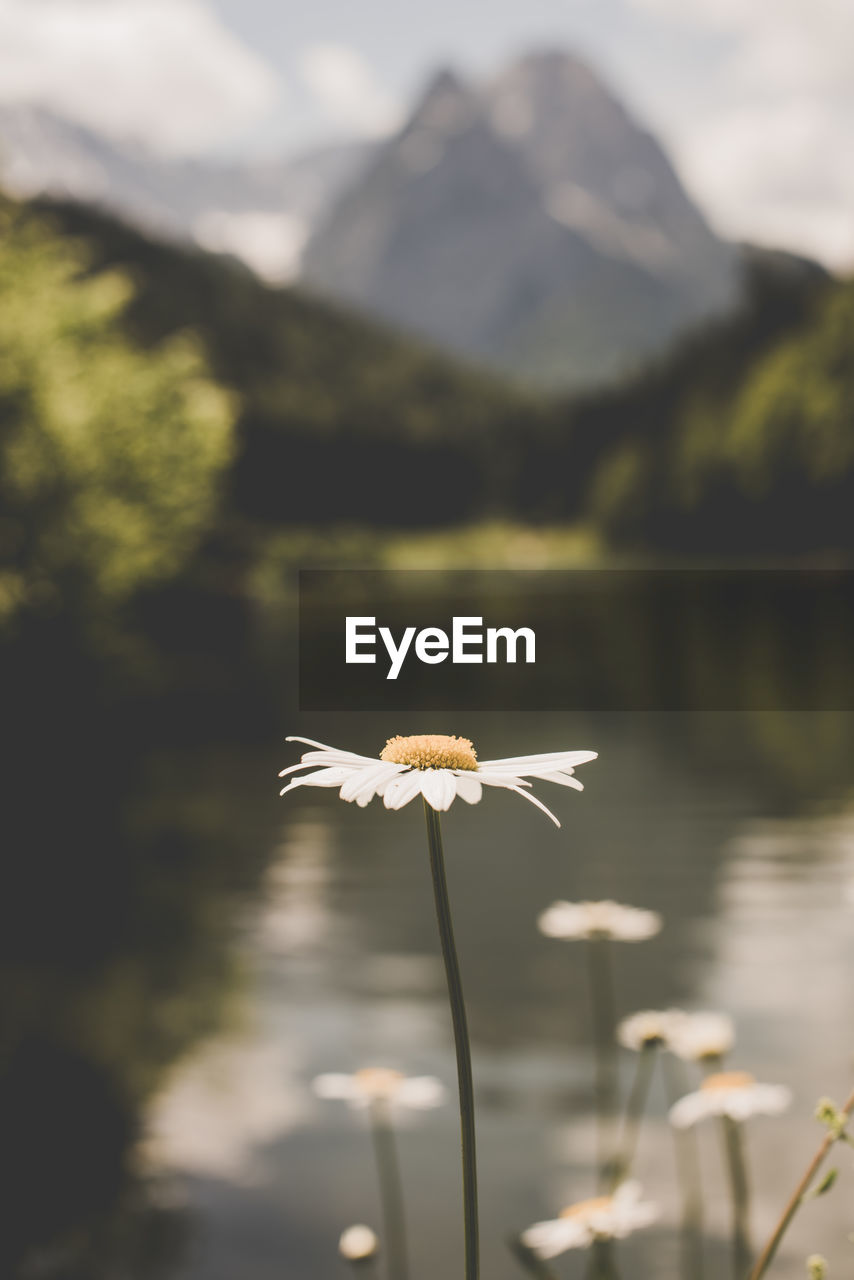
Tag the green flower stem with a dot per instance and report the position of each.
(461, 1041)
(391, 1192)
(604, 1011)
(603, 1264)
(364, 1268)
(798, 1196)
(688, 1173)
(635, 1108)
(740, 1190)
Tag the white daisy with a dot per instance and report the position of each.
(736, 1094)
(701, 1036)
(650, 1028)
(358, 1243)
(572, 920)
(435, 766)
(381, 1084)
(581, 1225)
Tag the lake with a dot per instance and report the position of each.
(184, 952)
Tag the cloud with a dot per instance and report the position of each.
(163, 72)
(765, 146)
(778, 177)
(344, 85)
(271, 243)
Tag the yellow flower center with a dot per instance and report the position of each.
(431, 751)
(379, 1082)
(600, 1204)
(728, 1080)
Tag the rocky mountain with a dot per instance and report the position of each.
(259, 212)
(530, 223)
(527, 223)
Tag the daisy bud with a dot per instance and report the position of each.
(817, 1267)
(358, 1244)
(831, 1117)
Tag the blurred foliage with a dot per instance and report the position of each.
(109, 456)
(116, 946)
(796, 412)
(343, 422)
(754, 453)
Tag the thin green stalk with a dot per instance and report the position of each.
(635, 1108)
(461, 1041)
(798, 1196)
(603, 1264)
(688, 1173)
(391, 1192)
(364, 1268)
(740, 1191)
(604, 1013)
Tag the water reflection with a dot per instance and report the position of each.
(341, 971)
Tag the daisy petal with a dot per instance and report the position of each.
(688, 1110)
(469, 788)
(554, 759)
(362, 784)
(501, 779)
(402, 789)
(321, 778)
(283, 773)
(439, 788)
(548, 1239)
(336, 757)
(337, 1086)
(561, 778)
(421, 1093)
(320, 758)
(334, 751)
(773, 1098)
(533, 799)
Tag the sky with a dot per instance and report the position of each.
(753, 99)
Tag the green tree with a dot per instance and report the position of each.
(109, 454)
(796, 412)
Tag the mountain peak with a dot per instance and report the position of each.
(530, 222)
(447, 105)
(442, 81)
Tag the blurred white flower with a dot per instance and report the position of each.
(435, 766)
(702, 1035)
(650, 1027)
(381, 1084)
(571, 920)
(736, 1094)
(605, 1218)
(358, 1243)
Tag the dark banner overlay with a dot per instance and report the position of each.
(595, 640)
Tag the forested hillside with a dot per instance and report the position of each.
(744, 443)
(739, 441)
(338, 419)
